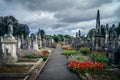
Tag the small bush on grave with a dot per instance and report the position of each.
(80, 58)
(44, 54)
(100, 57)
(67, 52)
(84, 50)
(44, 57)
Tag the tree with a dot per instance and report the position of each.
(90, 32)
(56, 38)
(67, 36)
(18, 29)
(61, 37)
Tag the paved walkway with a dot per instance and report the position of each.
(56, 68)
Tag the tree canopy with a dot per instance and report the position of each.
(18, 29)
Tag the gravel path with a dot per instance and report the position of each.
(56, 68)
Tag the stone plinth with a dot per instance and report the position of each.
(9, 50)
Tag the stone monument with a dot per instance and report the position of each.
(9, 44)
(39, 40)
(98, 35)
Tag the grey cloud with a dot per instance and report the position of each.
(67, 12)
(56, 5)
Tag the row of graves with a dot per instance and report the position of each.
(110, 42)
(11, 66)
(96, 57)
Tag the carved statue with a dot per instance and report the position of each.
(10, 27)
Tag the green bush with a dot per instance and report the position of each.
(67, 52)
(44, 57)
(80, 58)
(100, 57)
(84, 50)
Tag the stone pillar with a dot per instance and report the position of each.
(39, 41)
(35, 44)
(9, 51)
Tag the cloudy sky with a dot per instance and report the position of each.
(61, 16)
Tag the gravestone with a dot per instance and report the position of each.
(76, 43)
(39, 40)
(35, 44)
(106, 36)
(114, 47)
(115, 57)
(9, 44)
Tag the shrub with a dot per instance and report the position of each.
(66, 52)
(44, 57)
(80, 58)
(100, 57)
(84, 50)
(31, 53)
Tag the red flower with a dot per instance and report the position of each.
(69, 49)
(82, 66)
(44, 53)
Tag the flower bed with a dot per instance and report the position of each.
(82, 67)
(100, 57)
(84, 50)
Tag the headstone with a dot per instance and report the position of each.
(35, 44)
(39, 41)
(106, 36)
(115, 58)
(76, 43)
